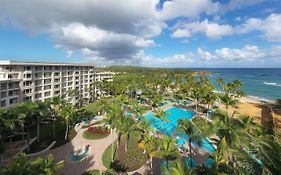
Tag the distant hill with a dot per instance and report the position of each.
(146, 70)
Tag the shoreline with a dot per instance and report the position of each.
(255, 99)
(252, 99)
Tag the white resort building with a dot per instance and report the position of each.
(38, 81)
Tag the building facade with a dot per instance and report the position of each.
(104, 76)
(38, 81)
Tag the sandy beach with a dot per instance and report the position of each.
(253, 106)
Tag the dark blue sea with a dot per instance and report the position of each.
(258, 82)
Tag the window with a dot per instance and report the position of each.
(37, 96)
(27, 91)
(26, 75)
(47, 87)
(27, 98)
(47, 81)
(38, 88)
(13, 100)
(38, 82)
(3, 86)
(38, 75)
(27, 68)
(4, 94)
(3, 103)
(47, 94)
(27, 83)
(38, 68)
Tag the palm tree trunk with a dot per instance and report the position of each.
(28, 137)
(66, 131)
(38, 130)
(190, 155)
(127, 142)
(112, 147)
(54, 129)
(151, 166)
(22, 134)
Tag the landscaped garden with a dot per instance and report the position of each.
(96, 132)
(131, 160)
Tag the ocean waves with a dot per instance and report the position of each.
(272, 84)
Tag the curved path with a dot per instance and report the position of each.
(94, 159)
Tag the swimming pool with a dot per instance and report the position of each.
(75, 157)
(168, 128)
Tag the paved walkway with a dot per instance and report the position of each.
(94, 159)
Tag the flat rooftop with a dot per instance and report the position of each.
(8, 62)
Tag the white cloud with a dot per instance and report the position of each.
(177, 60)
(181, 33)
(205, 55)
(247, 53)
(270, 28)
(210, 29)
(224, 57)
(100, 43)
(110, 29)
(187, 8)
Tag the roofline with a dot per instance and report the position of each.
(9, 62)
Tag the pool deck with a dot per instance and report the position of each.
(94, 159)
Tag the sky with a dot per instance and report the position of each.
(152, 33)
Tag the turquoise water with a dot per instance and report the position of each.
(259, 82)
(168, 128)
(79, 157)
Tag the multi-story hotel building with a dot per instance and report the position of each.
(24, 81)
(104, 76)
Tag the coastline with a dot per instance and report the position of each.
(255, 99)
(252, 99)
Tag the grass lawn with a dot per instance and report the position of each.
(46, 136)
(203, 125)
(134, 157)
(94, 107)
(106, 157)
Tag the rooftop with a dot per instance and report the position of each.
(8, 62)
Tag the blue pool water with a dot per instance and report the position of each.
(168, 128)
(80, 156)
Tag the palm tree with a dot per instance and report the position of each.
(186, 127)
(144, 126)
(67, 113)
(113, 119)
(126, 126)
(161, 115)
(75, 94)
(220, 81)
(149, 144)
(167, 149)
(21, 166)
(176, 167)
(209, 98)
(227, 100)
(54, 106)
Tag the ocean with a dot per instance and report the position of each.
(263, 83)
